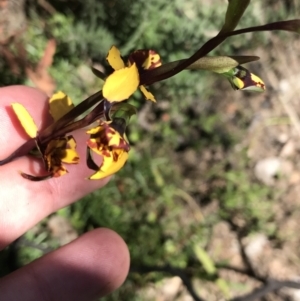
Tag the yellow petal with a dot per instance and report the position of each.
(121, 84)
(237, 83)
(70, 156)
(258, 84)
(114, 137)
(148, 95)
(94, 130)
(25, 119)
(60, 104)
(114, 58)
(110, 166)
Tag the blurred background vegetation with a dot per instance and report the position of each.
(189, 169)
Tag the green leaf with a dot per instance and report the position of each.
(205, 260)
(223, 286)
(235, 11)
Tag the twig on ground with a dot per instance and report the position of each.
(271, 286)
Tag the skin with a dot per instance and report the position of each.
(91, 266)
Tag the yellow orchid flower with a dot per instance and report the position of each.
(140, 59)
(56, 151)
(108, 142)
(242, 79)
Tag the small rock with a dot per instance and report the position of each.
(186, 297)
(171, 288)
(254, 245)
(283, 138)
(266, 169)
(224, 245)
(284, 86)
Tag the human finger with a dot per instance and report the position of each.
(22, 202)
(90, 267)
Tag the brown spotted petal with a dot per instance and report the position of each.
(104, 136)
(113, 161)
(58, 151)
(145, 59)
(55, 153)
(111, 145)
